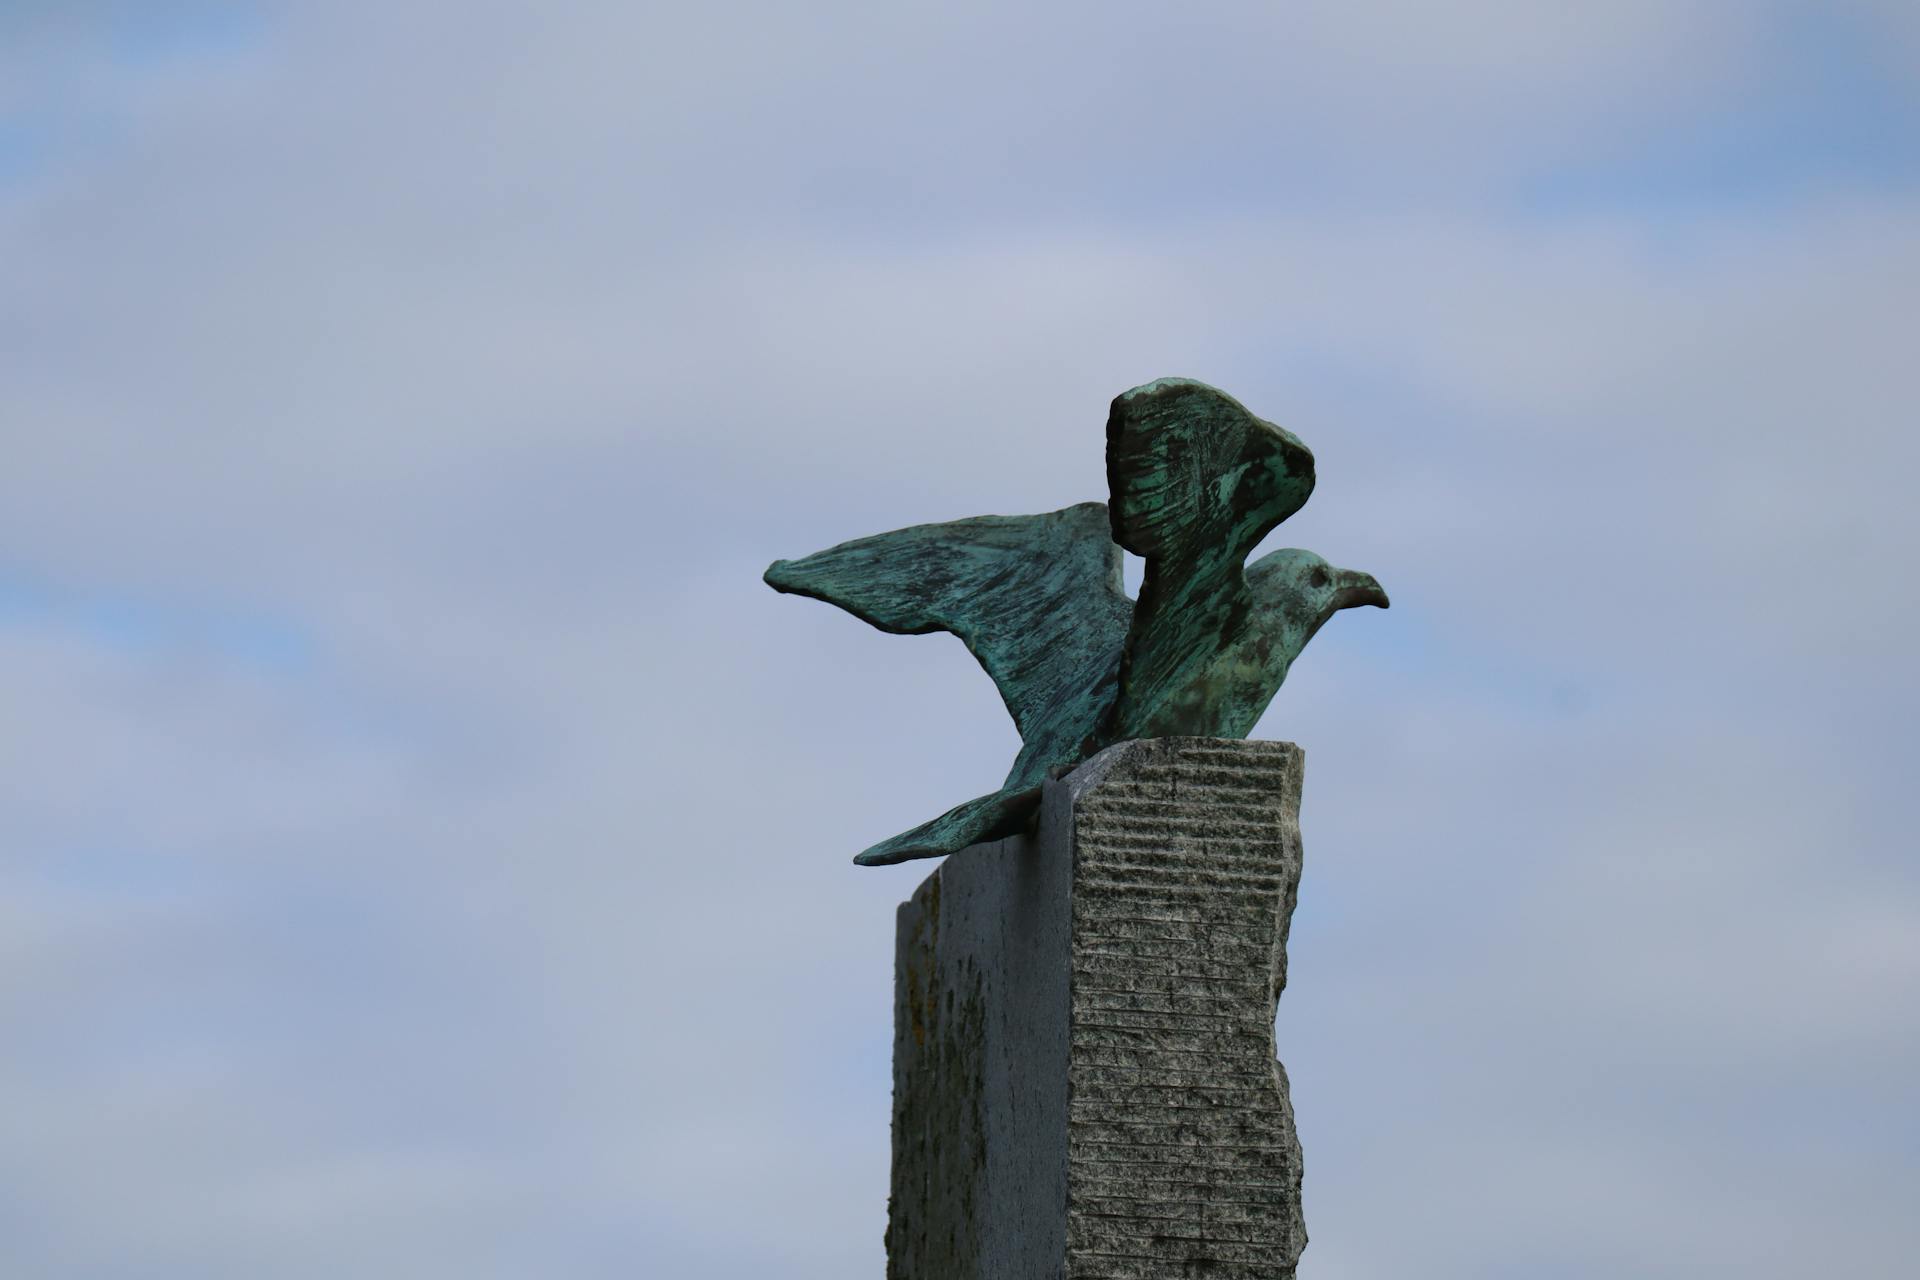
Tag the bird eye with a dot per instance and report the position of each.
(1317, 579)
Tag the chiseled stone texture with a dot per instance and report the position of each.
(1085, 1083)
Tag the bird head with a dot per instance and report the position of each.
(1306, 590)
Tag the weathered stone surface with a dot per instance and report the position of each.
(1085, 1079)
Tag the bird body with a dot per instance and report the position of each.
(1196, 483)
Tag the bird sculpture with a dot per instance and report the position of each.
(1195, 481)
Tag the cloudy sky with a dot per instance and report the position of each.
(424, 842)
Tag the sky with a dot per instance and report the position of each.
(424, 842)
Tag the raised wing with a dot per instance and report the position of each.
(1196, 482)
(1037, 599)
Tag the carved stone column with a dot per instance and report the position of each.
(1085, 1082)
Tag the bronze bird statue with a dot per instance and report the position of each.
(1195, 481)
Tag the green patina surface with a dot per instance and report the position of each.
(1195, 482)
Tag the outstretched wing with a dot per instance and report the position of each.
(1196, 482)
(1037, 599)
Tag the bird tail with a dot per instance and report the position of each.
(1004, 813)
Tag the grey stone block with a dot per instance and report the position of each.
(1085, 1081)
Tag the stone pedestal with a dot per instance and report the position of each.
(1084, 1076)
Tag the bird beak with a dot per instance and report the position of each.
(1357, 589)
